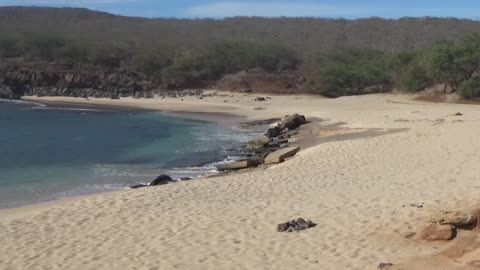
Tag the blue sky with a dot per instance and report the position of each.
(296, 8)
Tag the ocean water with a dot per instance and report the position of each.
(48, 153)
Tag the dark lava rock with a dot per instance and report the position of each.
(138, 186)
(292, 122)
(295, 225)
(273, 131)
(384, 265)
(282, 227)
(260, 99)
(161, 180)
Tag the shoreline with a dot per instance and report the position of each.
(229, 121)
(218, 117)
(374, 160)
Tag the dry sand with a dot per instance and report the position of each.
(359, 184)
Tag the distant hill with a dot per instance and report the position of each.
(182, 53)
(306, 34)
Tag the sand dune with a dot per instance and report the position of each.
(362, 186)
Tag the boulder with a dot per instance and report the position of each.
(292, 122)
(258, 143)
(260, 99)
(436, 232)
(454, 218)
(283, 227)
(280, 155)
(161, 180)
(384, 266)
(476, 214)
(273, 131)
(238, 165)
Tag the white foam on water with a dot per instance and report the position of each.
(22, 102)
(66, 109)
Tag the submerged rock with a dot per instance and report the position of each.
(258, 143)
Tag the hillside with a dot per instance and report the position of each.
(170, 53)
(308, 34)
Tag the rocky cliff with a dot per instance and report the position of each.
(94, 82)
(16, 81)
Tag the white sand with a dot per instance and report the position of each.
(353, 185)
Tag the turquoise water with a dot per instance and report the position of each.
(48, 153)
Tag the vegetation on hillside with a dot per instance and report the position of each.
(336, 57)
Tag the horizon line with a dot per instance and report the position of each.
(239, 16)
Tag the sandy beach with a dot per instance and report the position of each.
(377, 159)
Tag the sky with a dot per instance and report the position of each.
(349, 9)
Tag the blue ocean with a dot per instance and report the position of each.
(48, 153)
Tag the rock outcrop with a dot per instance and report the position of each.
(292, 122)
(455, 218)
(161, 180)
(273, 130)
(87, 81)
(238, 165)
(444, 225)
(289, 122)
(435, 232)
(280, 155)
(258, 143)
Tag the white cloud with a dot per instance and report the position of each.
(272, 9)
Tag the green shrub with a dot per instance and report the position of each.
(149, 62)
(9, 47)
(351, 71)
(470, 88)
(184, 71)
(232, 56)
(74, 54)
(412, 78)
(43, 45)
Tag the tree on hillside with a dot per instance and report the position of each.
(449, 63)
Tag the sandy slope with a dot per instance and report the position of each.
(357, 185)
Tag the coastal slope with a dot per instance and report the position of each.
(378, 158)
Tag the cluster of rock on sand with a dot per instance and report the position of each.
(295, 225)
(274, 147)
